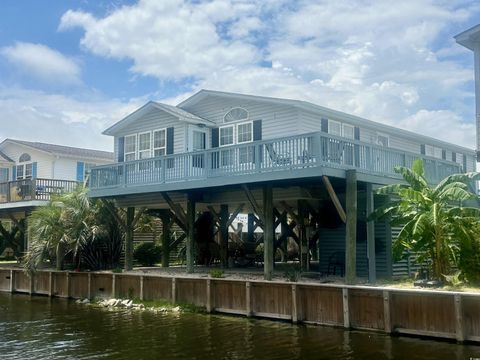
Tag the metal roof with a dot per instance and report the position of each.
(64, 150)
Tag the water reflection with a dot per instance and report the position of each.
(45, 328)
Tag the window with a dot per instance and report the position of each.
(334, 128)
(3, 175)
(25, 170)
(226, 135)
(244, 132)
(144, 145)
(348, 131)
(130, 147)
(198, 140)
(236, 114)
(25, 157)
(159, 142)
(383, 140)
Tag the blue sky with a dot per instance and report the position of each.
(70, 69)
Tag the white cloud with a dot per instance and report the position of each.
(42, 63)
(59, 119)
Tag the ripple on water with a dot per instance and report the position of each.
(42, 328)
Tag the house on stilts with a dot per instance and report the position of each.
(30, 173)
(297, 171)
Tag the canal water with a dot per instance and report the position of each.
(43, 328)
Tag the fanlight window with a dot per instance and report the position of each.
(25, 157)
(236, 114)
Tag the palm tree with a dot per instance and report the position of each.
(434, 220)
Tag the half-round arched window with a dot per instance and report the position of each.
(24, 157)
(236, 114)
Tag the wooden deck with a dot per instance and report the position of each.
(308, 155)
(33, 189)
(440, 314)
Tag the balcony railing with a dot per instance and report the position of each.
(33, 189)
(295, 152)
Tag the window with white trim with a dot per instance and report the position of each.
(244, 132)
(24, 171)
(226, 135)
(236, 114)
(348, 131)
(198, 140)
(144, 145)
(130, 152)
(429, 150)
(334, 127)
(159, 142)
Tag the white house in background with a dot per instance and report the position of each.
(30, 172)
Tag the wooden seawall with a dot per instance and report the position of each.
(440, 314)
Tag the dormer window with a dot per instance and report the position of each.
(236, 114)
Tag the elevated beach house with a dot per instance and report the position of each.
(30, 172)
(302, 173)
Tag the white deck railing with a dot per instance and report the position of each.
(290, 153)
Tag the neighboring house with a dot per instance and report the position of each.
(30, 172)
(214, 143)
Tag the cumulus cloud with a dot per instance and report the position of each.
(42, 63)
(376, 59)
(60, 119)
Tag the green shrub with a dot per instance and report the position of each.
(216, 273)
(147, 254)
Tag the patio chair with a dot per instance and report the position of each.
(334, 151)
(278, 159)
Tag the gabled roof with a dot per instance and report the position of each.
(63, 150)
(4, 157)
(469, 37)
(325, 112)
(181, 114)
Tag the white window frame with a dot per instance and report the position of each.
(204, 133)
(385, 136)
(236, 132)
(125, 153)
(233, 126)
(331, 122)
(236, 120)
(147, 151)
(348, 126)
(159, 147)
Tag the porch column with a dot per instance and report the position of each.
(372, 269)
(129, 239)
(166, 226)
(351, 227)
(190, 233)
(302, 214)
(268, 232)
(251, 228)
(224, 215)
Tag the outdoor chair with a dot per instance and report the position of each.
(278, 159)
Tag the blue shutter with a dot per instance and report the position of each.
(14, 173)
(170, 140)
(422, 149)
(356, 133)
(444, 154)
(34, 170)
(121, 149)
(80, 171)
(257, 130)
(214, 139)
(324, 127)
(464, 163)
(454, 156)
